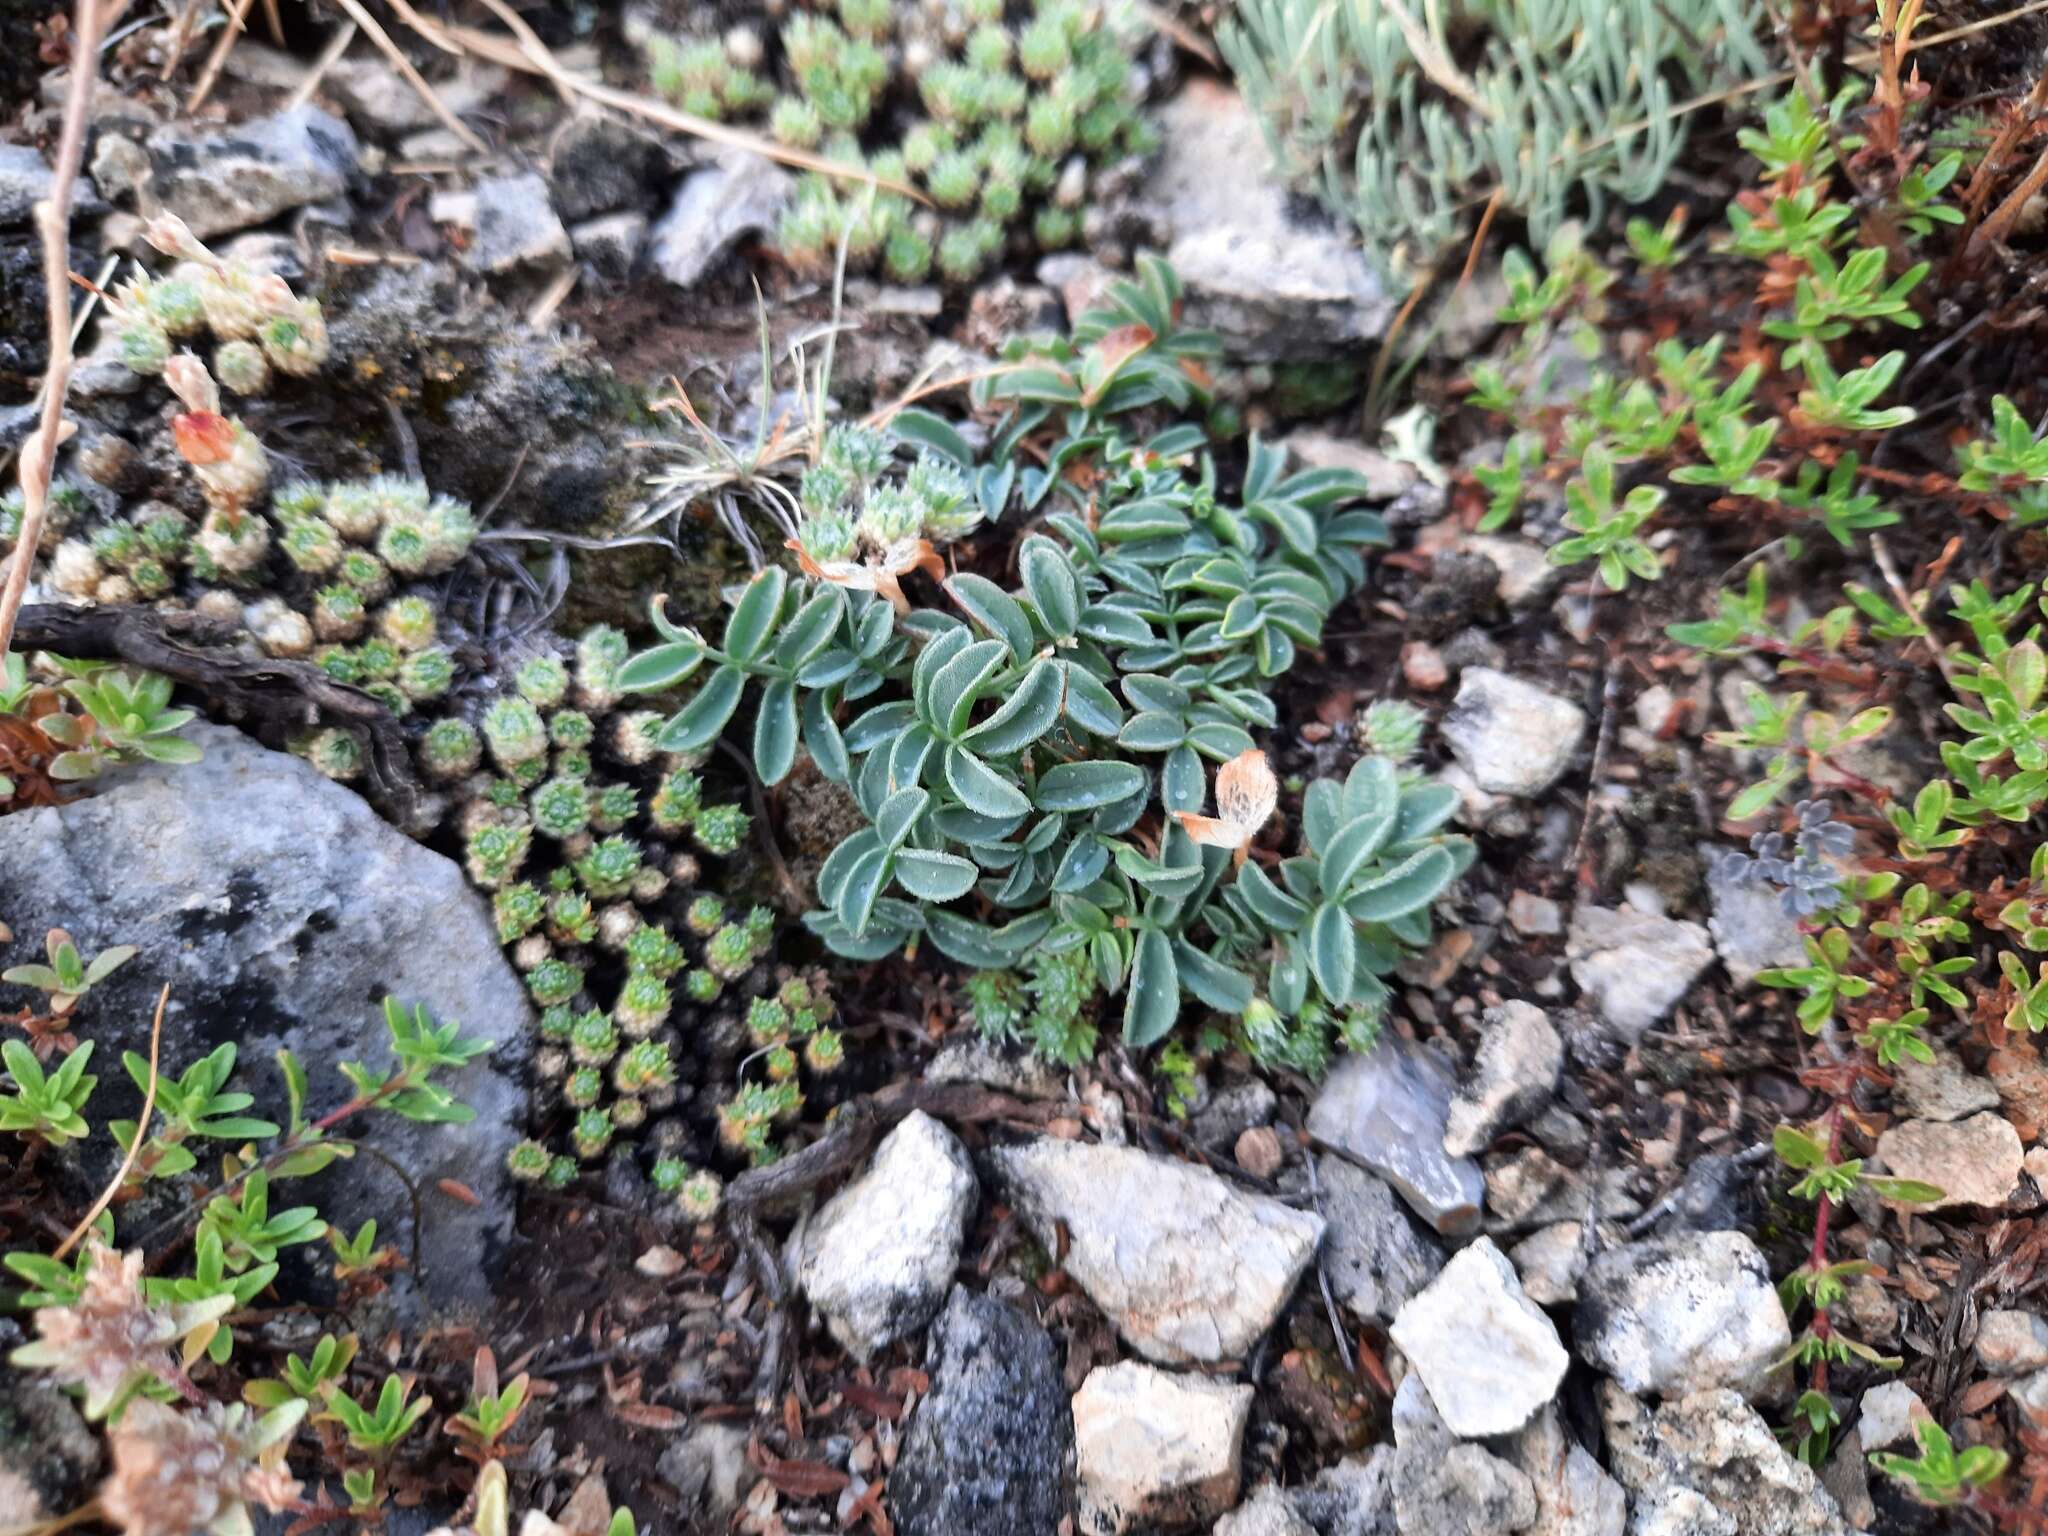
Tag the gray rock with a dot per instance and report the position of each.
(1232, 1110)
(1537, 916)
(516, 226)
(1550, 1261)
(1846, 1477)
(598, 164)
(1975, 1161)
(1682, 1313)
(1454, 1489)
(1487, 1354)
(991, 1448)
(878, 1259)
(378, 98)
(1526, 574)
(250, 173)
(1574, 1496)
(1375, 1254)
(611, 242)
(740, 194)
(1511, 1080)
(1887, 1414)
(1528, 1188)
(708, 1466)
(1634, 965)
(1271, 285)
(1752, 930)
(2011, 1343)
(281, 911)
(1413, 1416)
(1188, 1267)
(1352, 1498)
(1511, 736)
(1709, 1463)
(1156, 1449)
(49, 1455)
(1266, 1513)
(969, 1058)
(1942, 1089)
(1387, 1109)
(1385, 477)
(25, 180)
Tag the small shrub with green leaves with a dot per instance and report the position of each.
(1041, 749)
(999, 123)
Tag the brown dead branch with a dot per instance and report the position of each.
(53, 222)
(289, 696)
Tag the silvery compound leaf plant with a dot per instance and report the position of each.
(1034, 760)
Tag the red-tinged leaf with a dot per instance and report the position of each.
(802, 1479)
(456, 1190)
(869, 1506)
(906, 1379)
(873, 1400)
(203, 437)
(1982, 1395)
(652, 1416)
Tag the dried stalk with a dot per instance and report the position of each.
(229, 36)
(156, 1037)
(53, 221)
(413, 77)
(533, 57)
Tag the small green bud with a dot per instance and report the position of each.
(543, 681)
(528, 1162)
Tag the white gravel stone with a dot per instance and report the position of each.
(1512, 736)
(1887, 1416)
(1487, 1354)
(879, 1258)
(1687, 1312)
(1156, 1449)
(1188, 1267)
(1974, 1161)
(1511, 1079)
(1635, 966)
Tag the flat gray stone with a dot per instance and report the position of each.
(1635, 966)
(1375, 1253)
(25, 180)
(1387, 1108)
(1574, 1496)
(282, 911)
(516, 226)
(1942, 1089)
(248, 174)
(1271, 284)
(991, 1447)
(740, 194)
(1751, 928)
